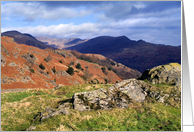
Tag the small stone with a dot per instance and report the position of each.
(31, 128)
(161, 99)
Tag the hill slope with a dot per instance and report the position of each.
(138, 55)
(25, 39)
(121, 70)
(21, 67)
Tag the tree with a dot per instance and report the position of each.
(78, 66)
(110, 68)
(71, 63)
(41, 66)
(70, 70)
(104, 70)
(54, 70)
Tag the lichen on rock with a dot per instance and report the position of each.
(119, 95)
(169, 73)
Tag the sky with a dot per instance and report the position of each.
(157, 22)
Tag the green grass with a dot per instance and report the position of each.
(19, 109)
(14, 96)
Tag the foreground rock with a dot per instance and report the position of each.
(119, 95)
(169, 73)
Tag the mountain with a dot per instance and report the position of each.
(60, 43)
(24, 66)
(25, 39)
(139, 55)
(121, 70)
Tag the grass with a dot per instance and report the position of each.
(19, 109)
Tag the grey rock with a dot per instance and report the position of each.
(58, 86)
(43, 72)
(8, 80)
(119, 95)
(13, 64)
(31, 128)
(169, 73)
(52, 112)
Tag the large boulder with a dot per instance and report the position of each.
(169, 73)
(119, 95)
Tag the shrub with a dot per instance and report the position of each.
(110, 68)
(32, 70)
(41, 66)
(54, 70)
(106, 81)
(47, 72)
(104, 70)
(78, 66)
(70, 70)
(72, 63)
(60, 61)
(77, 71)
(95, 81)
(55, 80)
(31, 55)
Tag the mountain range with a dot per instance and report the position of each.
(60, 43)
(139, 55)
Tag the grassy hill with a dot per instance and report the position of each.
(19, 109)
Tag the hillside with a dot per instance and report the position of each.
(60, 43)
(25, 39)
(24, 66)
(121, 70)
(139, 55)
(131, 105)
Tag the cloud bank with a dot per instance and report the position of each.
(156, 22)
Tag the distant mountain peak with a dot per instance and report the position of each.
(24, 38)
(12, 32)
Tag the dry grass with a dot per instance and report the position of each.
(19, 114)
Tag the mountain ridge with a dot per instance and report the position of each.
(140, 55)
(25, 38)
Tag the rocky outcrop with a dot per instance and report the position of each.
(119, 95)
(65, 54)
(50, 112)
(20, 78)
(169, 73)
(3, 49)
(3, 60)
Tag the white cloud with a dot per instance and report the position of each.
(33, 10)
(151, 30)
(136, 20)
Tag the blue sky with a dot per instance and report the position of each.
(152, 21)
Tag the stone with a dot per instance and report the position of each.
(13, 64)
(169, 73)
(31, 128)
(119, 95)
(58, 86)
(50, 112)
